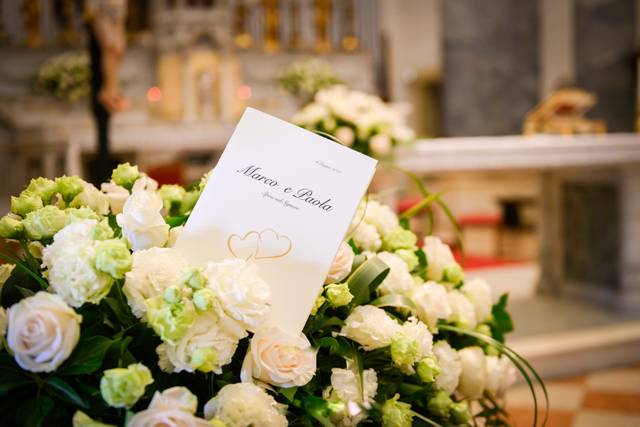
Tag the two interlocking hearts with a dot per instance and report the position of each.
(259, 245)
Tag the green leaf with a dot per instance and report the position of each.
(318, 409)
(501, 322)
(25, 268)
(87, 356)
(26, 293)
(394, 300)
(176, 221)
(61, 389)
(366, 278)
(288, 393)
(12, 377)
(32, 412)
(415, 209)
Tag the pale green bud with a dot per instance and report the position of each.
(10, 227)
(204, 180)
(204, 299)
(79, 214)
(484, 329)
(440, 404)
(26, 202)
(69, 187)
(172, 295)
(338, 294)
(204, 359)
(428, 369)
(316, 306)
(404, 350)
(122, 387)
(170, 321)
(102, 231)
(43, 187)
(80, 419)
(216, 422)
(193, 278)
(491, 351)
(35, 249)
(396, 413)
(5, 273)
(409, 257)
(171, 195)
(44, 223)
(113, 257)
(188, 201)
(460, 413)
(399, 238)
(453, 274)
(125, 175)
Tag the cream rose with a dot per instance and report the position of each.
(474, 373)
(450, 366)
(399, 280)
(345, 135)
(279, 359)
(462, 310)
(43, 331)
(173, 407)
(141, 221)
(479, 293)
(92, 198)
(116, 195)
(370, 327)
(381, 145)
(431, 302)
(341, 266)
(501, 374)
(439, 257)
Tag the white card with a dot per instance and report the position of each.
(283, 197)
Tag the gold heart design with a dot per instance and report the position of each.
(245, 247)
(273, 245)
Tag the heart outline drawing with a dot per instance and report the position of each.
(252, 244)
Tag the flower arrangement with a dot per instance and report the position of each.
(65, 77)
(103, 323)
(356, 119)
(303, 79)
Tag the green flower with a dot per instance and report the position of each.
(102, 231)
(216, 422)
(404, 350)
(428, 369)
(172, 295)
(170, 321)
(122, 387)
(409, 256)
(11, 226)
(440, 404)
(203, 299)
(399, 238)
(338, 294)
(188, 202)
(79, 214)
(172, 195)
(42, 187)
(204, 359)
(193, 278)
(113, 257)
(125, 175)
(5, 273)
(80, 419)
(460, 413)
(44, 223)
(396, 413)
(453, 274)
(69, 187)
(316, 306)
(26, 202)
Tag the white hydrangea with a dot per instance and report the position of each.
(346, 385)
(370, 327)
(367, 237)
(69, 262)
(152, 271)
(450, 366)
(474, 373)
(243, 295)
(439, 257)
(399, 279)
(415, 329)
(501, 374)
(244, 405)
(380, 216)
(432, 302)
(479, 293)
(462, 310)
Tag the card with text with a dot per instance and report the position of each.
(283, 197)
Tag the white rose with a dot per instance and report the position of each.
(3, 323)
(243, 295)
(462, 310)
(208, 331)
(345, 135)
(43, 331)
(370, 327)
(431, 302)
(474, 374)
(173, 407)
(438, 256)
(415, 329)
(310, 115)
(381, 216)
(399, 280)
(450, 366)
(92, 198)
(279, 359)
(341, 266)
(346, 385)
(501, 374)
(116, 195)
(70, 267)
(244, 405)
(141, 221)
(144, 183)
(366, 237)
(479, 293)
(152, 271)
(380, 145)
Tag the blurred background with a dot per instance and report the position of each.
(525, 115)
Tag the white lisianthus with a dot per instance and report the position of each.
(380, 145)
(144, 183)
(174, 233)
(380, 216)
(3, 323)
(70, 265)
(91, 198)
(399, 279)
(432, 302)
(370, 327)
(341, 266)
(439, 257)
(462, 310)
(116, 195)
(366, 237)
(501, 374)
(173, 407)
(141, 221)
(346, 385)
(243, 295)
(43, 331)
(279, 359)
(479, 293)
(450, 366)
(415, 329)
(345, 135)
(209, 331)
(152, 271)
(244, 405)
(474, 373)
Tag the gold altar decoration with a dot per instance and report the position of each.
(242, 39)
(31, 15)
(349, 41)
(295, 39)
(68, 34)
(271, 26)
(562, 112)
(322, 19)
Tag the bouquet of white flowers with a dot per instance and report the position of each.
(356, 119)
(303, 79)
(103, 323)
(65, 77)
